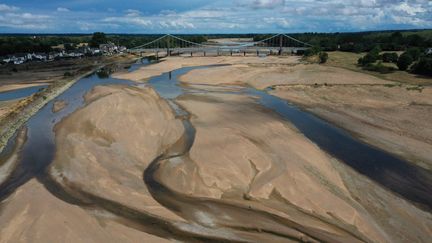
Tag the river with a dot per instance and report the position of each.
(405, 179)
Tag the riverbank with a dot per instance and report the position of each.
(16, 113)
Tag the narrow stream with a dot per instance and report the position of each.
(403, 178)
(20, 93)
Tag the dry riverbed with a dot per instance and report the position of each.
(127, 162)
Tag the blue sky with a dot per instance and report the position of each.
(216, 16)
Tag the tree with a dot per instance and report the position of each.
(97, 39)
(375, 53)
(397, 38)
(312, 51)
(414, 52)
(423, 66)
(323, 56)
(390, 57)
(405, 60)
(371, 57)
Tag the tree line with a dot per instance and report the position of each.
(13, 44)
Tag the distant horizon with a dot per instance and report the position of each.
(233, 33)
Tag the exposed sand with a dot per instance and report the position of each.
(265, 75)
(33, 214)
(392, 118)
(242, 155)
(243, 152)
(173, 63)
(59, 105)
(105, 147)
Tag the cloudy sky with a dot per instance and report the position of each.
(211, 16)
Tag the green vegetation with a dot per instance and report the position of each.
(67, 74)
(390, 57)
(379, 67)
(25, 43)
(423, 66)
(323, 56)
(363, 41)
(371, 57)
(97, 39)
(405, 60)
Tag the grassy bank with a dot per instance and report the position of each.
(348, 60)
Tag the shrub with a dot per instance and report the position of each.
(414, 52)
(371, 57)
(368, 59)
(379, 67)
(390, 57)
(323, 56)
(312, 51)
(67, 74)
(404, 61)
(375, 52)
(423, 66)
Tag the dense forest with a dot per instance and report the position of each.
(364, 41)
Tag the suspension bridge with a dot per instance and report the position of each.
(169, 45)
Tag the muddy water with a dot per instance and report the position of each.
(407, 180)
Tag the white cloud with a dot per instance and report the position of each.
(411, 10)
(267, 3)
(7, 8)
(61, 9)
(24, 21)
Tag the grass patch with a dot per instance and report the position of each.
(348, 60)
(418, 88)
